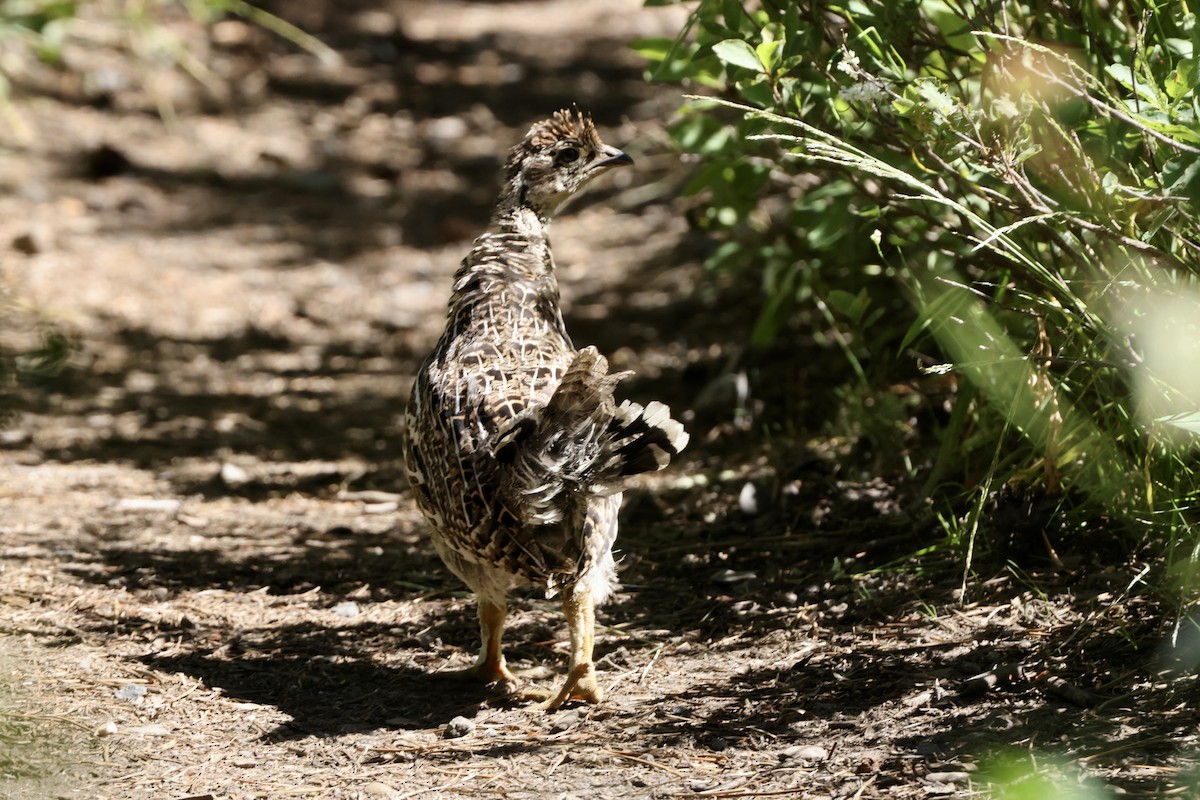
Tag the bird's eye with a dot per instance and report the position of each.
(568, 155)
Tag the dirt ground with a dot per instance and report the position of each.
(213, 581)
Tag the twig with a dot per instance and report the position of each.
(1123, 746)
(866, 783)
(978, 684)
(645, 761)
(758, 793)
(654, 660)
(1072, 694)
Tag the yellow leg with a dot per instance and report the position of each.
(490, 666)
(581, 683)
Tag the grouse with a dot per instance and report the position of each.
(514, 446)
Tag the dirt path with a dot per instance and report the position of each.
(214, 582)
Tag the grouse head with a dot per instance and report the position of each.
(557, 157)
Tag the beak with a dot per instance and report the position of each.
(612, 157)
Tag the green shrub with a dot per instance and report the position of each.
(1011, 188)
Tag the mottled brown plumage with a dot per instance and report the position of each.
(514, 446)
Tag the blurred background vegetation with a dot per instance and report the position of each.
(990, 210)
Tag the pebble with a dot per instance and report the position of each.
(565, 721)
(748, 499)
(346, 609)
(131, 692)
(948, 777)
(733, 576)
(148, 504)
(804, 752)
(30, 243)
(457, 728)
(233, 475)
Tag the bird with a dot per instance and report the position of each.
(514, 445)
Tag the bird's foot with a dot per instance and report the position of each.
(488, 672)
(580, 685)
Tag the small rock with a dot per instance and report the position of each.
(346, 609)
(230, 33)
(565, 721)
(445, 130)
(166, 504)
(457, 728)
(14, 437)
(947, 777)
(748, 499)
(131, 692)
(233, 475)
(377, 789)
(804, 752)
(733, 576)
(107, 729)
(31, 242)
(836, 610)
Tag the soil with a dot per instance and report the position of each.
(214, 581)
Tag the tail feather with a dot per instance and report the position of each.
(642, 439)
(581, 441)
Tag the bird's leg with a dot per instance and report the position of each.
(490, 666)
(581, 684)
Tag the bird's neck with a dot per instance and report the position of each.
(511, 263)
(520, 221)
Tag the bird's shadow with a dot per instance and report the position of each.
(327, 688)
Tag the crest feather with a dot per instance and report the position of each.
(569, 124)
(565, 124)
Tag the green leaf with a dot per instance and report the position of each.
(937, 310)
(1183, 80)
(756, 92)
(768, 54)
(733, 12)
(700, 134)
(1126, 77)
(1181, 133)
(737, 53)
(851, 306)
(1181, 178)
